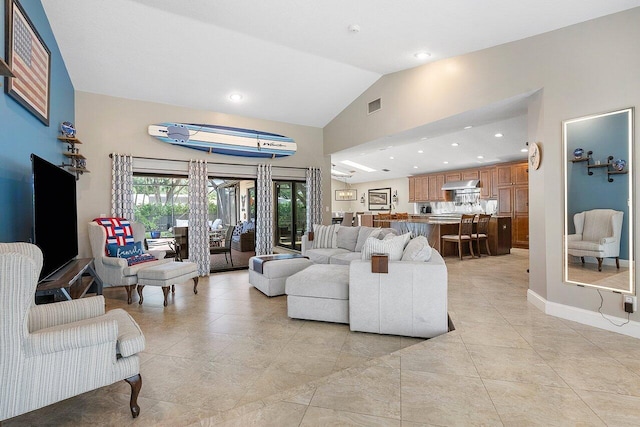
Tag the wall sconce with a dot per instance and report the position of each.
(362, 199)
(394, 198)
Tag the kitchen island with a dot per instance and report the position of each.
(433, 226)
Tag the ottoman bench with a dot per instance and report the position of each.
(268, 273)
(166, 275)
(319, 292)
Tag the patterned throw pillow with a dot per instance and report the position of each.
(139, 259)
(417, 249)
(124, 251)
(325, 236)
(393, 247)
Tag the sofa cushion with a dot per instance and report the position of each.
(347, 238)
(363, 234)
(345, 259)
(320, 281)
(393, 247)
(417, 249)
(325, 236)
(321, 256)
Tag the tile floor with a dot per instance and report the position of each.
(229, 356)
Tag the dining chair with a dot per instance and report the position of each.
(482, 232)
(464, 235)
(347, 219)
(226, 248)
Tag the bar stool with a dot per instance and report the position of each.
(482, 232)
(464, 235)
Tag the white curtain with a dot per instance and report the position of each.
(122, 186)
(264, 205)
(198, 216)
(314, 197)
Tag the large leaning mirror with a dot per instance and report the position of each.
(598, 210)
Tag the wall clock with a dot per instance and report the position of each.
(535, 155)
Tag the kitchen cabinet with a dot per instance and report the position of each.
(485, 184)
(494, 183)
(504, 175)
(418, 189)
(424, 183)
(453, 176)
(513, 200)
(500, 235)
(439, 184)
(472, 174)
(412, 189)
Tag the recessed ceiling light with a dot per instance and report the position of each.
(445, 162)
(236, 97)
(358, 166)
(423, 138)
(498, 135)
(455, 144)
(390, 146)
(481, 157)
(415, 167)
(391, 157)
(420, 151)
(468, 127)
(524, 150)
(422, 55)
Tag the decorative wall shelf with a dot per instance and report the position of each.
(77, 162)
(610, 168)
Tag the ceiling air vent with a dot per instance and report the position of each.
(374, 106)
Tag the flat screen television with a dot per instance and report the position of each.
(55, 215)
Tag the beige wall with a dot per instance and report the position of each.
(587, 68)
(108, 124)
(400, 184)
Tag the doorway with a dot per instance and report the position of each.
(291, 213)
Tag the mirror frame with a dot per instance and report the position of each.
(566, 160)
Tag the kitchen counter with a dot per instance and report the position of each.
(433, 226)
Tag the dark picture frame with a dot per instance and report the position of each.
(29, 58)
(379, 199)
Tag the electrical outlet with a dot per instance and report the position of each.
(630, 303)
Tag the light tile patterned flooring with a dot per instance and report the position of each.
(229, 356)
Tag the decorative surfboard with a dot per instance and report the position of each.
(224, 139)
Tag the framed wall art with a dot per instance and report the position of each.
(29, 59)
(379, 199)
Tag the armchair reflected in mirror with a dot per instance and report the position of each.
(598, 202)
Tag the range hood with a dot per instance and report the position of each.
(461, 185)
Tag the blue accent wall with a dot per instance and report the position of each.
(21, 133)
(605, 136)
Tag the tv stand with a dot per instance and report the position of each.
(73, 281)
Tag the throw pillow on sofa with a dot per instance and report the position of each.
(363, 234)
(347, 238)
(325, 236)
(393, 247)
(417, 249)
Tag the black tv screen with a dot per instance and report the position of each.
(55, 216)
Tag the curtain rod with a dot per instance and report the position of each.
(211, 163)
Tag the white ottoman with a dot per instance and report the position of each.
(166, 275)
(267, 273)
(319, 292)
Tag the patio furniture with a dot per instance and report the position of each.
(226, 248)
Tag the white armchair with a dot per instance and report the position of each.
(115, 271)
(51, 352)
(597, 235)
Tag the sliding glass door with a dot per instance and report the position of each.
(291, 213)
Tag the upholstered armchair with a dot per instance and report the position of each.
(115, 271)
(597, 235)
(54, 351)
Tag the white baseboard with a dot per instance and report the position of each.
(586, 317)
